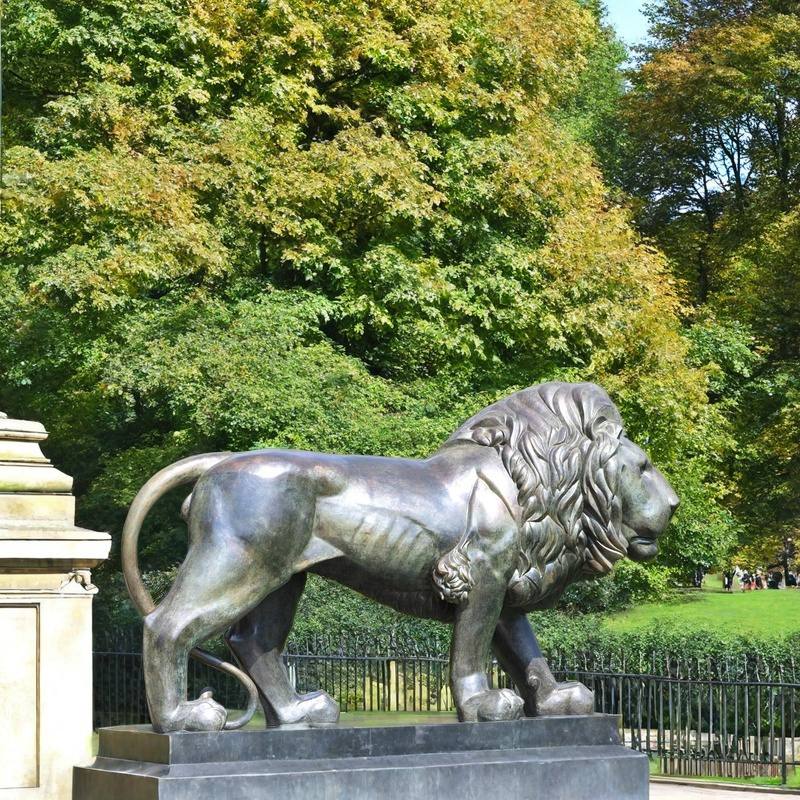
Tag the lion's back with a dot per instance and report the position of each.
(326, 472)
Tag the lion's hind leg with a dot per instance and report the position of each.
(257, 640)
(214, 587)
(247, 534)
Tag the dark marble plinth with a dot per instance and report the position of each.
(558, 758)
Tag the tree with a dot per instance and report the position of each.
(712, 132)
(712, 116)
(339, 226)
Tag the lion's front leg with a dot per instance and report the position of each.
(517, 650)
(469, 655)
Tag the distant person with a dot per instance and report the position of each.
(746, 581)
(759, 581)
(727, 580)
(698, 578)
(792, 582)
(737, 576)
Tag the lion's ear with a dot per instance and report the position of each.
(492, 431)
(607, 421)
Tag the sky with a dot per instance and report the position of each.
(626, 16)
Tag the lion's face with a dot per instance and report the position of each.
(648, 501)
(588, 496)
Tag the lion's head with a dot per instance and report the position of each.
(588, 495)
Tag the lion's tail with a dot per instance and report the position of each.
(188, 470)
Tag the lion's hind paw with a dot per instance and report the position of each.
(203, 714)
(312, 709)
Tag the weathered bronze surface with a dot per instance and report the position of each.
(533, 492)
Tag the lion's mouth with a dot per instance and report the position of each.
(642, 545)
(641, 549)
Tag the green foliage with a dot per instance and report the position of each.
(338, 226)
(711, 141)
(628, 585)
(591, 111)
(708, 632)
(704, 651)
(726, 349)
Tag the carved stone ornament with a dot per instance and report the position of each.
(37, 509)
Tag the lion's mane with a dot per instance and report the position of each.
(558, 443)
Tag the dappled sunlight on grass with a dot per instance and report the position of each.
(365, 719)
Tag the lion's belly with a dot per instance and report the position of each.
(418, 598)
(382, 542)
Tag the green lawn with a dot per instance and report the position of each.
(767, 612)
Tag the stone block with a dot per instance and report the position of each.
(560, 758)
(55, 508)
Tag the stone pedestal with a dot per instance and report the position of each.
(45, 621)
(558, 758)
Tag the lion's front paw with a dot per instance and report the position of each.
(566, 698)
(492, 705)
(314, 708)
(547, 697)
(203, 714)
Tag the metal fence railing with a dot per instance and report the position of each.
(694, 719)
(704, 727)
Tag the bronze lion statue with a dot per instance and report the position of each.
(535, 491)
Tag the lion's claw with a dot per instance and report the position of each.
(551, 698)
(492, 705)
(566, 698)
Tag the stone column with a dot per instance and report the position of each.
(45, 621)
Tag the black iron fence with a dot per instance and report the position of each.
(725, 719)
(704, 727)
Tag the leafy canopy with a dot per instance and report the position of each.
(710, 154)
(341, 226)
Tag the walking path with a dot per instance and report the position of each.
(674, 791)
